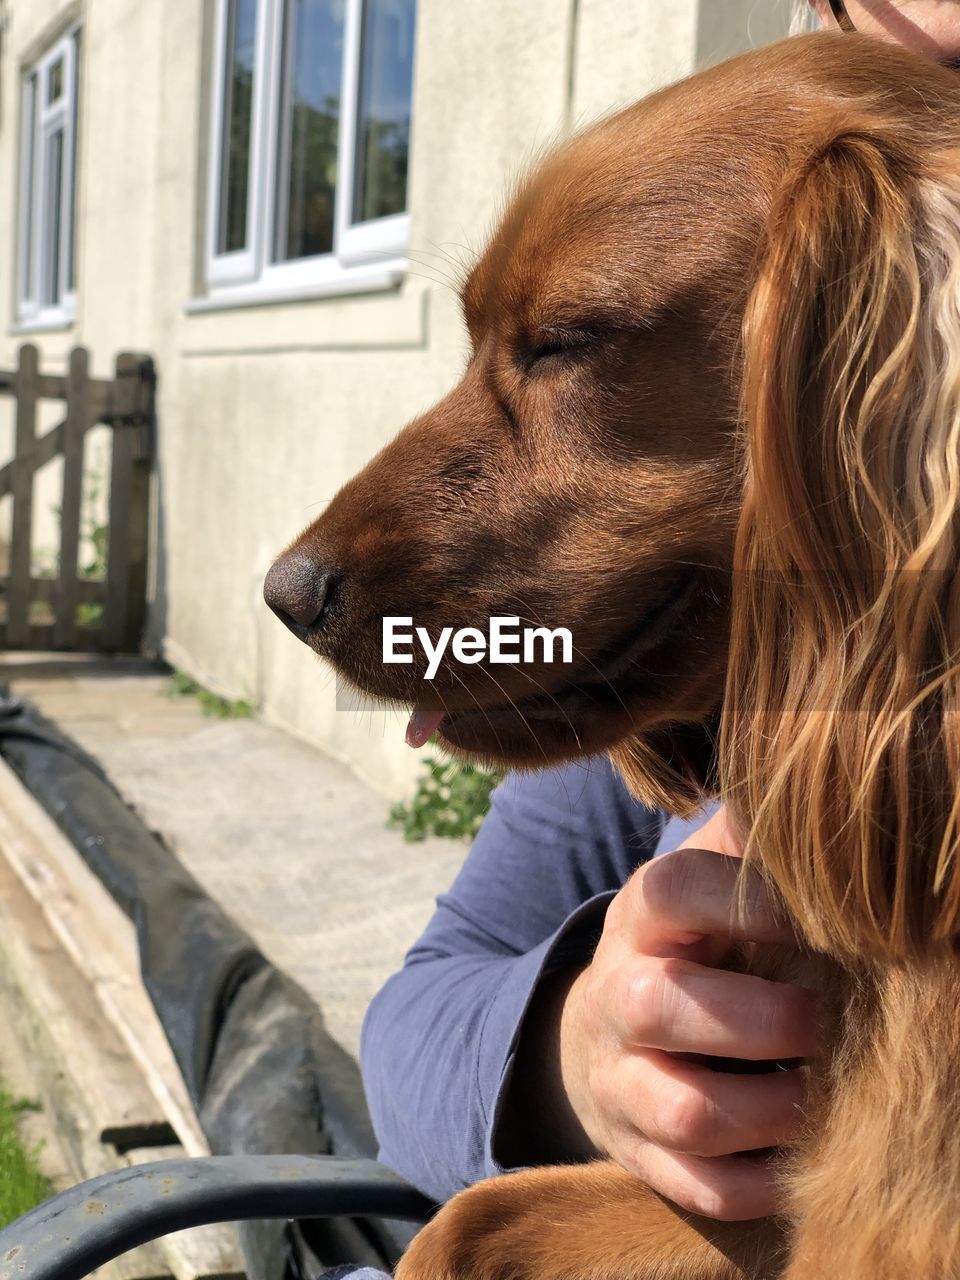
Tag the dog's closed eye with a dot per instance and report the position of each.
(545, 351)
(550, 345)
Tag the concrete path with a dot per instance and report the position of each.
(290, 843)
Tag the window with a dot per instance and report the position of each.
(310, 142)
(46, 288)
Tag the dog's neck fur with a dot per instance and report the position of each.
(891, 1091)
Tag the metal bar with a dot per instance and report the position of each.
(87, 1226)
(18, 587)
(74, 428)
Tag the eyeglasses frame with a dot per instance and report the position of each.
(839, 11)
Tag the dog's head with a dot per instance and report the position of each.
(676, 325)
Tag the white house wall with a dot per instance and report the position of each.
(264, 411)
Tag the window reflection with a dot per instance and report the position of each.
(238, 114)
(310, 120)
(54, 189)
(383, 115)
(29, 159)
(55, 82)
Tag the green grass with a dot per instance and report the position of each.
(22, 1185)
(182, 686)
(451, 800)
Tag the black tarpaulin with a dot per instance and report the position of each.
(264, 1074)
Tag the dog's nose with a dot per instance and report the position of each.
(298, 591)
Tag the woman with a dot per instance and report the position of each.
(931, 27)
(538, 1018)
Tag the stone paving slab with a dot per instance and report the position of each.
(292, 845)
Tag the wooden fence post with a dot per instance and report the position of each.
(126, 405)
(133, 409)
(74, 428)
(19, 586)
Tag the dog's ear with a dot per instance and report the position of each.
(839, 750)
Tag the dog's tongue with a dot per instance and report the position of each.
(422, 726)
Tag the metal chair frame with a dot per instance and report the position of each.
(80, 1229)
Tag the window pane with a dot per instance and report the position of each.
(55, 82)
(383, 114)
(70, 272)
(27, 178)
(53, 188)
(310, 118)
(239, 66)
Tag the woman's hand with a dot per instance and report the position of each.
(621, 1033)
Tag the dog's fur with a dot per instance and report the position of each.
(711, 423)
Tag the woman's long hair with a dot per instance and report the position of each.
(840, 749)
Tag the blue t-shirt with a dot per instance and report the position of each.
(439, 1039)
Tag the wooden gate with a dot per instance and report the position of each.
(99, 607)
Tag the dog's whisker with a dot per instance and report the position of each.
(440, 281)
(477, 707)
(583, 657)
(512, 704)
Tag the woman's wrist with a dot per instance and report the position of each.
(541, 1120)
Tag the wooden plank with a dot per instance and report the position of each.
(41, 637)
(137, 546)
(74, 428)
(100, 403)
(77, 908)
(199, 1253)
(40, 1130)
(132, 414)
(52, 386)
(101, 400)
(83, 1070)
(45, 590)
(121, 475)
(126, 403)
(36, 1128)
(46, 448)
(18, 587)
(129, 498)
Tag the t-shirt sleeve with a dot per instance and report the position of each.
(438, 1040)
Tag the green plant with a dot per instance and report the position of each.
(96, 535)
(22, 1185)
(184, 686)
(92, 534)
(451, 800)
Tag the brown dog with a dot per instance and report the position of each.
(712, 425)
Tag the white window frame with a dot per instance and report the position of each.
(242, 264)
(368, 255)
(363, 241)
(34, 306)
